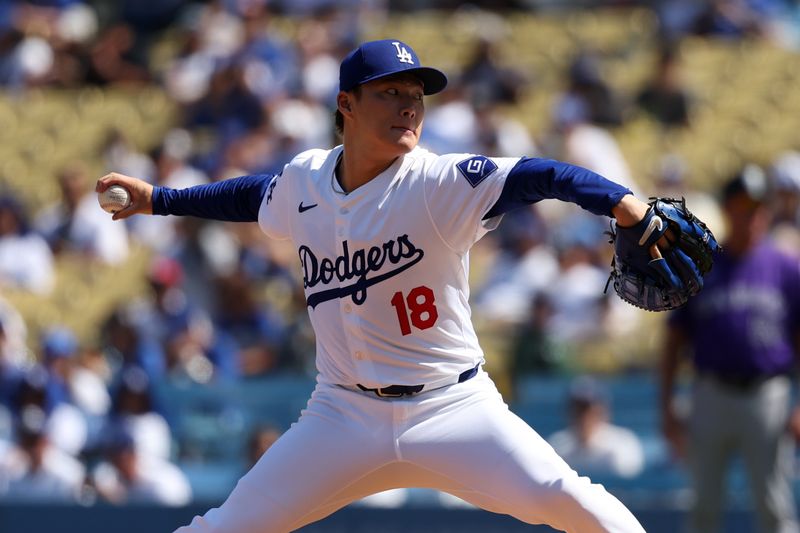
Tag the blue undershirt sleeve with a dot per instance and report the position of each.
(533, 179)
(232, 200)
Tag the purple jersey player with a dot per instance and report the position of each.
(742, 332)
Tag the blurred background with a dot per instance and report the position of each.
(145, 365)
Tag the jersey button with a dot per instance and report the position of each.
(359, 356)
(340, 232)
(344, 210)
(348, 308)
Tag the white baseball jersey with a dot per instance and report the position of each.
(386, 266)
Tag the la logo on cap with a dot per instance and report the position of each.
(402, 54)
(377, 59)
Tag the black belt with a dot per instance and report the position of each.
(397, 391)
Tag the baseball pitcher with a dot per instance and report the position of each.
(383, 230)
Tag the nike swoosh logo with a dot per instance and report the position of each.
(302, 208)
(656, 224)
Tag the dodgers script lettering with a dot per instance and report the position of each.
(356, 265)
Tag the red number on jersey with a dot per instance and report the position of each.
(420, 302)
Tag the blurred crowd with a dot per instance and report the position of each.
(79, 419)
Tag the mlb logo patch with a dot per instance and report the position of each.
(476, 169)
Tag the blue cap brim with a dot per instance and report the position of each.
(433, 81)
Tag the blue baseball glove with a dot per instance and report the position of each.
(658, 278)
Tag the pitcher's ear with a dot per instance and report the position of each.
(343, 102)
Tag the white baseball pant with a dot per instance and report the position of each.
(461, 439)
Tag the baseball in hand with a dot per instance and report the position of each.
(114, 199)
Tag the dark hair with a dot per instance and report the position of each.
(10, 202)
(134, 384)
(750, 181)
(338, 117)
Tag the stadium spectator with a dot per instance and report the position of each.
(204, 250)
(319, 60)
(664, 96)
(59, 346)
(70, 381)
(592, 445)
(70, 29)
(195, 353)
(263, 261)
(485, 78)
(192, 347)
(585, 83)
(123, 345)
(26, 60)
(451, 126)
(38, 471)
(272, 63)
(741, 332)
(533, 350)
(76, 223)
(257, 330)
(114, 60)
(772, 21)
(67, 427)
(26, 261)
(129, 477)
(188, 74)
(298, 124)
(134, 408)
(575, 300)
(251, 151)
(582, 313)
(733, 19)
(171, 168)
(148, 19)
(165, 307)
(499, 134)
(576, 139)
(523, 264)
(219, 30)
(230, 109)
(118, 149)
(172, 161)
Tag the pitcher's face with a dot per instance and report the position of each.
(388, 114)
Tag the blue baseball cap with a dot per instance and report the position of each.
(378, 59)
(59, 342)
(587, 390)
